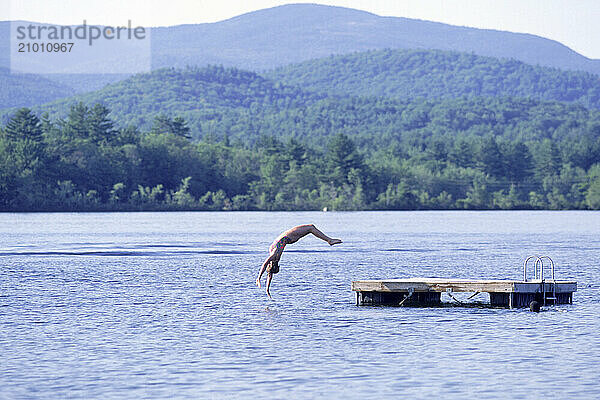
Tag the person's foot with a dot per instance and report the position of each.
(334, 241)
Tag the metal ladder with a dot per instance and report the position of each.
(538, 274)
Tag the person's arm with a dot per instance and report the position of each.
(263, 267)
(269, 277)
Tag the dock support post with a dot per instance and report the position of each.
(499, 299)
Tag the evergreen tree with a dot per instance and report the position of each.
(518, 162)
(342, 157)
(547, 159)
(24, 139)
(76, 125)
(176, 126)
(490, 157)
(462, 153)
(24, 125)
(101, 127)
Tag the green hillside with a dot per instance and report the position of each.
(201, 93)
(224, 139)
(218, 101)
(18, 90)
(435, 74)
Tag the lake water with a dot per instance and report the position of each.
(163, 305)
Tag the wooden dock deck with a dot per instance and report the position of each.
(427, 291)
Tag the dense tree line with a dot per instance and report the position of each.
(435, 74)
(86, 161)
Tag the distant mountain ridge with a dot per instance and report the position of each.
(285, 34)
(274, 37)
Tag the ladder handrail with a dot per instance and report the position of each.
(551, 266)
(525, 267)
(541, 273)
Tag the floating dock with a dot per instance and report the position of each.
(502, 293)
(428, 291)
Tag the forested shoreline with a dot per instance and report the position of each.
(379, 130)
(86, 162)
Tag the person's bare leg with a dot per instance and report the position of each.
(322, 236)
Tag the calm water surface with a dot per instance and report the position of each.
(163, 305)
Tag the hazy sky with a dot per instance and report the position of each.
(574, 23)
